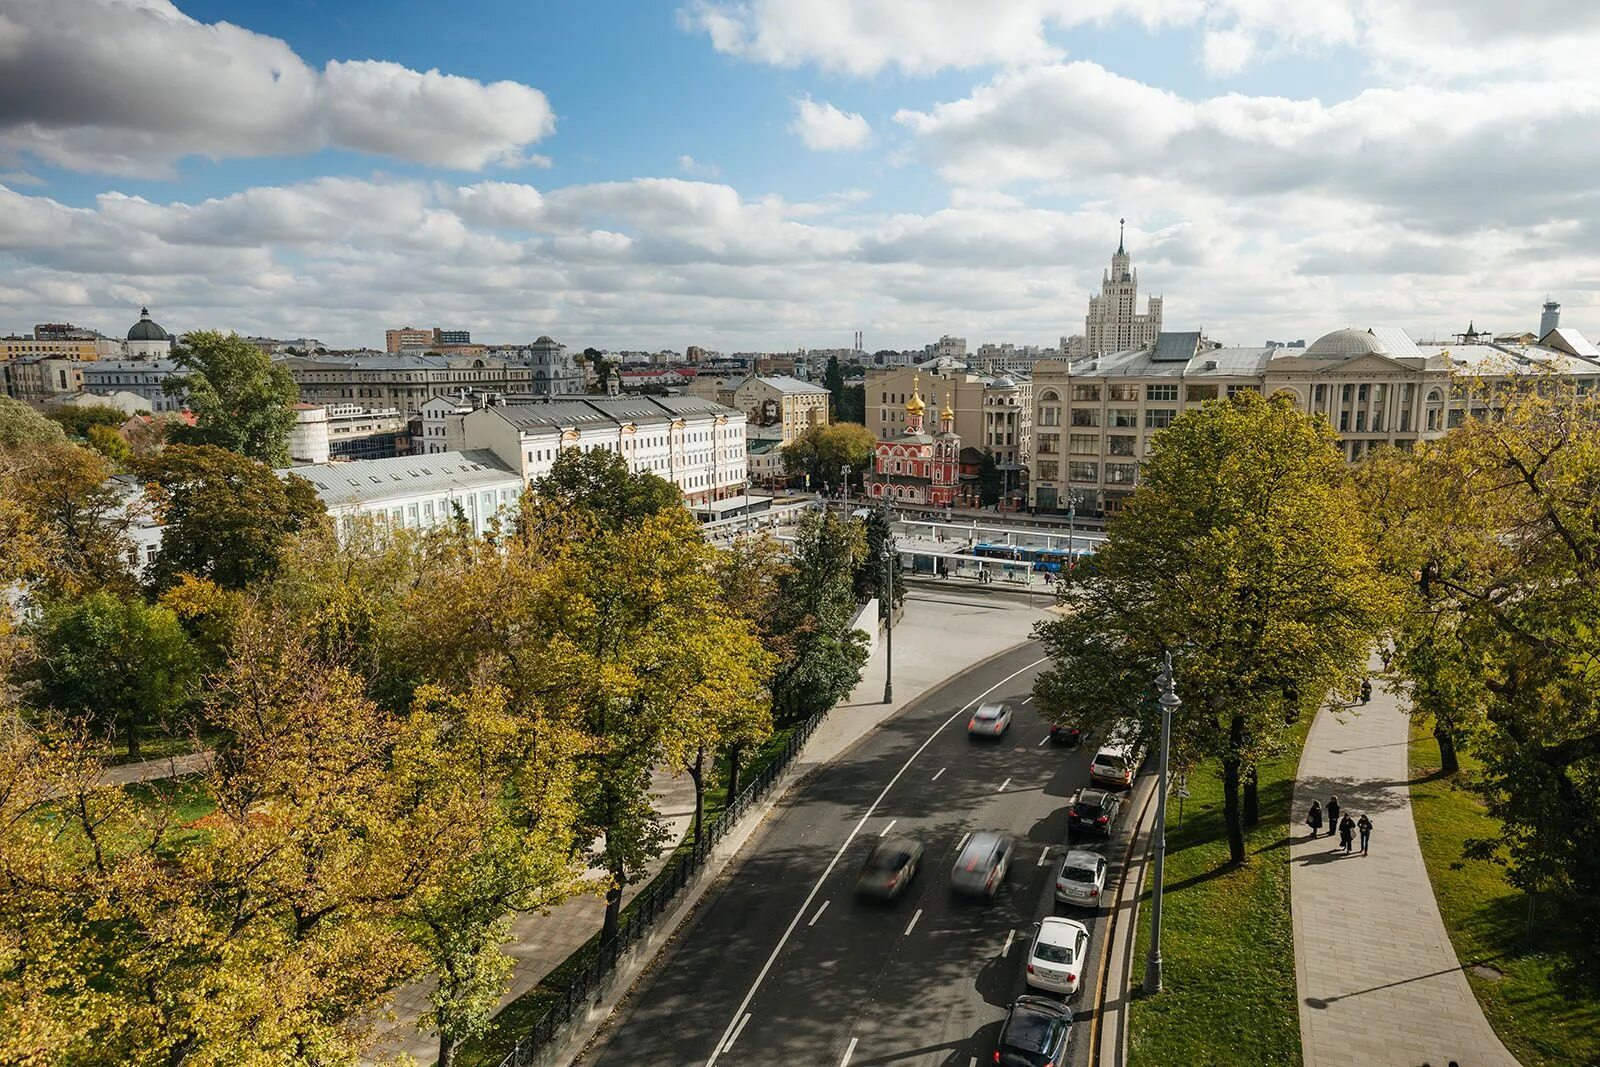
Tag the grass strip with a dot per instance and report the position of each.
(1542, 1009)
(1227, 942)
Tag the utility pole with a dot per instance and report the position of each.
(888, 618)
(1169, 704)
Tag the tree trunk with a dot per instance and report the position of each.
(608, 931)
(734, 754)
(447, 1050)
(1230, 790)
(133, 742)
(697, 773)
(1252, 804)
(1448, 763)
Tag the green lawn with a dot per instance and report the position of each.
(518, 1017)
(1542, 1018)
(1227, 943)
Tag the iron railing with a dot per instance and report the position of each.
(597, 959)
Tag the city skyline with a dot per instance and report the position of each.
(738, 177)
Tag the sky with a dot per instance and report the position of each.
(773, 174)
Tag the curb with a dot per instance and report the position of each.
(1108, 1040)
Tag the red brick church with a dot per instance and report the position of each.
(916, 467)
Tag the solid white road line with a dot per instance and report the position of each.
(885, 831)
(818, 915)
(964, 839)
(761, 975)
(737, 1030)
(1003, 785)
(936, 777)
(1045, 740)
(910, 925)
(848, 1052)
(1007, 947)
(1044, 857)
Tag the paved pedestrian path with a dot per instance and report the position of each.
(1379, 982)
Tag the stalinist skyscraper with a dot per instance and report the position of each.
(1112, 324)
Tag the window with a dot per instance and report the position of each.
(1086, 392)
(1235, 390)
(1085, 417)
(1123, 418)
(1049, 443)
(1161, 392)
(1084, 444)
(1159, 418)
(1050, 416)
(1122, 445)
(1195, 393)
(1082, 471)
(1347, 393)
(1121, 473)
(1049, 470)
(1122, 391)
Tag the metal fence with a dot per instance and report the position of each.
(597, 959)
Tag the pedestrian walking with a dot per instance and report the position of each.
(1332, 808)
(1364, 824)
(1314, 818)
(1347, 833)
(1366, 691)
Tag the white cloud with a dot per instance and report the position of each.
(822, 126)
(112, 87)
(694, 168)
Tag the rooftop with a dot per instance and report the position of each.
(367, 480)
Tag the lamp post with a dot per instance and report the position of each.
(1072, 518)
(844, 472)
(888, 558)
(1169, 704)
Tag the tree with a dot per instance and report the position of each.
(602, 367)
(241, 400)
(115, 664)
(226, 515)
(991, 483)
(21, 426)
(63, 522)
(872, 572)
(816, 610)
(599, 483)
(1242, 552)
(823, 451)
(106, 441)
(78, 421)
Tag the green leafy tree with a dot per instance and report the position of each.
(77, 421)
(991, 483)
(63, 522)
(226, 515)
(599, 483)
(21, 426)
(873, 572)
(241, 400)
(823, 451)
(106, 441)
(115, 664)
(816, 606)
(1243, 553)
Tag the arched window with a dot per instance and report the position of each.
(1049, 396)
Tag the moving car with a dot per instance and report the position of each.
(1035, 1034)
(1093, 811)
(1081, 878)
(890, 868)
(1058, 954)
(982, 865)
(990, 720)
(1113, 765)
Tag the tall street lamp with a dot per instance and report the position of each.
(888, 558)
(1169, 704)
(844, 472)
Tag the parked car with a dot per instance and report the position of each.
(1065, 735)
(1113, 765)
(982, 865)
(890, 868)
(1034, 1034)
(1081, 878)
(990, 720)
(1057, 955)
(1094, 811)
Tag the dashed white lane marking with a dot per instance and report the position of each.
(766, 968)
(848, 1052)
(1044, 857)
(936, 777)
(964, 839)
(737, 1030)
(1028, 701)
(912, 924)
(1007, 946)
(1045, 740)
(1003, 785)
(815, 917)
(885, 831)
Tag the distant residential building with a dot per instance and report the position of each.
(405, 382)
(783, 363)
(454, 337)
(781, 407)
(1095, 417)
(147, 340)
(35, 380)
(85, 349)
(416, 492)
(146, 377)
(716, 388)
(662, 377)
(355, 432)
(764, 461)
(1113, 323)
(947, 347)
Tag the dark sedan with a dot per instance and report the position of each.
(982, 865)
(890, 868)
(1035, 1033)
(1094, 811)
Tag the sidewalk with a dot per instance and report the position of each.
(942, 632)
(1378, 979)
(151, 770)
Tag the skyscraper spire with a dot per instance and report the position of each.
(1120, 224)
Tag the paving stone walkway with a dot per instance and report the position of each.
(1379, 982)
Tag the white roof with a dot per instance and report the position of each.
(1064, 933)
(369, 480)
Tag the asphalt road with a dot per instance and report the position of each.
(784, 965)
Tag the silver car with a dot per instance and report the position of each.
(1081, 878)
(982, 865)
(989, 721)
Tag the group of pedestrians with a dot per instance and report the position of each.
(1346, 827)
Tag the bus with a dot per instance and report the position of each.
(1050, 560)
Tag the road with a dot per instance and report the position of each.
(783, 964)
